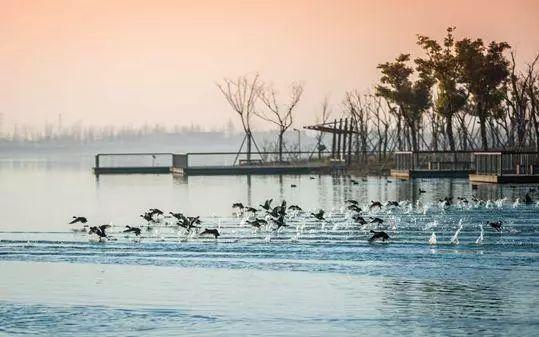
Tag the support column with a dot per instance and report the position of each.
(345, 133)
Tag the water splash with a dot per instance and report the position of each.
(455, 238)
(432, 240)
(480, 238)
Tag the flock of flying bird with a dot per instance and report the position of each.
(275, 217)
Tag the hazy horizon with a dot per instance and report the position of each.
(136, 62)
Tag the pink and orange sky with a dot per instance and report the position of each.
(128, 62)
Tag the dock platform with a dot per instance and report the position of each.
(426, 174)
(505, 179)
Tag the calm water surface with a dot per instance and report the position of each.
(309, 279)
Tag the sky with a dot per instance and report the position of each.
(135, 62)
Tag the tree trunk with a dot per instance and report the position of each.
(249, 139)
(413, 132)
(399, 131)
(281, 146)
(484, 140)
(449, 130)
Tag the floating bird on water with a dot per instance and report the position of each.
(363, 179)
(422, 191)
(213, 232)
(379, 236)
(354, 182)
(80, 219)
(393, 203)
(312, 178)
(293, 185)
(294, 208)
(528, 199)
(319, 215)
(134, 230)
(377, 220)
(351, 201)
(496, 225)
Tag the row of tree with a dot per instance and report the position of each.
(462, 83)
(459, 95)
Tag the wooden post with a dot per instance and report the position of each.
(344, 134)
(339, 139)
(96, 161)
(333, 143)
(350, 138)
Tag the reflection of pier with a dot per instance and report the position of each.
(211, 163)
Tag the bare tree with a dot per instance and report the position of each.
(322, 118)
(277, 113)
(242, 95)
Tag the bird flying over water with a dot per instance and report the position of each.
(267, 204)
(375, 204)
(238, 205)
(99, 230)
(319, 215)
(213, 232)
(134, 230)
(379, 236)
(496, 225)
(80, 219)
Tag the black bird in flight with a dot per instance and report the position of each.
(267, 204)
(354, 208)
(359, 219)
(251, 209)
(80, 219)
(375, 204)
(238, 205)
(319, 215)
(99, 231)
(496, 225)
(134, 230)
(378, 235)
(213, 232)
(257, 222)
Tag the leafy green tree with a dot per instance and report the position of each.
(441, 63)
(483, 70)
(412, 97)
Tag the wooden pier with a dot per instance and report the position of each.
(432, 164)
(186, 164)
(506, 167)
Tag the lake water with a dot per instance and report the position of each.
(313, 278)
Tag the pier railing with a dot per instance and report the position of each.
(165, 160)
(433, 160)
(506, 163)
